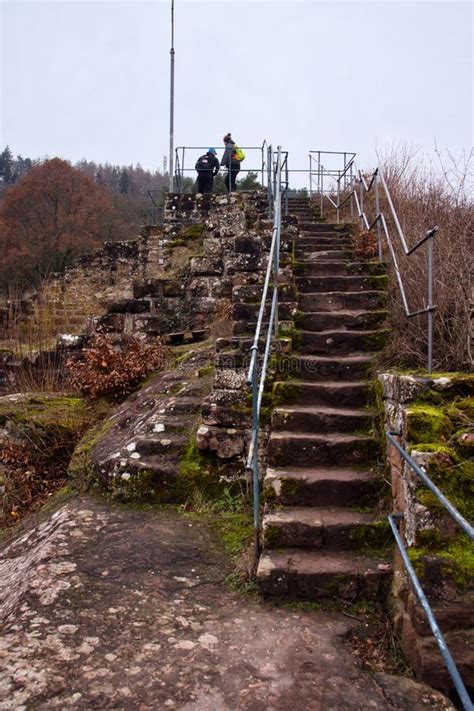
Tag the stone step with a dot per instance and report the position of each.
(314, 226)
(342, 301)
(320, 419)
(338, 268)
(324, 253)
(306, 449)
(312, 367)
(313, 284)
(320, 239)
(342, 394)
(162, 443)
(314, 575)
(321, 486)
(314, 527)
(340, 342)
(340, 320)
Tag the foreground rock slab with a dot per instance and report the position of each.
(114, 608)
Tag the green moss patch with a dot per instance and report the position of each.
(453, 560)
(426, 423)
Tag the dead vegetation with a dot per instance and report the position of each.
(424, 195)
(104, 370)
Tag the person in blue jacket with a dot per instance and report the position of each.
(230, 162)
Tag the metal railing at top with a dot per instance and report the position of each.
(468, 530)
(348, 185)
(256, 373)
(186, 157)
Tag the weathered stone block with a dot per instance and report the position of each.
(230, 379)
(173, 287)
(201, 266)
(244, 263)
(226, 443)
(247, 244)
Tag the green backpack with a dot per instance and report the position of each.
(239, 154)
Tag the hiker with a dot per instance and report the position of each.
(207, 167)
(231, 160)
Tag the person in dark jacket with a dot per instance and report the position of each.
(207, 167)
(230, 162)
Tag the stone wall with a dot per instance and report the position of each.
(431, 416)
(68, 302)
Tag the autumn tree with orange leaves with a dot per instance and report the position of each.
(54, 214)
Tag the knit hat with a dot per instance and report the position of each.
(227, 138)
(212, 150)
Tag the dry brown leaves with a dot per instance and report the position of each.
(104, 370)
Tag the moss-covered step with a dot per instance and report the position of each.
(322, 486)
(312, 284)
(320, 239)
(315, 527)
(307, 449)
(342, 300)
(339, 268)
(320, 419)
(312, 367)
(341, 341)
(301, 392)
(334, 320)
(314, 575)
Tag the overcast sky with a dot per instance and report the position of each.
(91, 79)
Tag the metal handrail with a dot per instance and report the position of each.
(352, 185)
(254, 378)
(181, 169)
(468, 530)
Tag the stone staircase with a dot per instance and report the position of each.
(321, 538)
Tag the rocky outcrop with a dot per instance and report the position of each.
(145, 449)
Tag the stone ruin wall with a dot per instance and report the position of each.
(68, 302)
(454, 610)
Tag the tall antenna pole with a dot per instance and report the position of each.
(171, 98)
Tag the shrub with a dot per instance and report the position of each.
(107, 370)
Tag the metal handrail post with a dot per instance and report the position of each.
(430, 304)
(352, 191)
(339, 191)
(377, 209)
(310, 176)
(269, 181)
(361, 200)
(276, 263)
(321, 173)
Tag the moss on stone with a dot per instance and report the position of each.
(271, 536)
(285, 392)
(426, 423)
(195, 471)
(289, 487)
(455, 559)
(80, 468)
(375, 536)
(44, 412)
(205, 371)
(456, 481)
